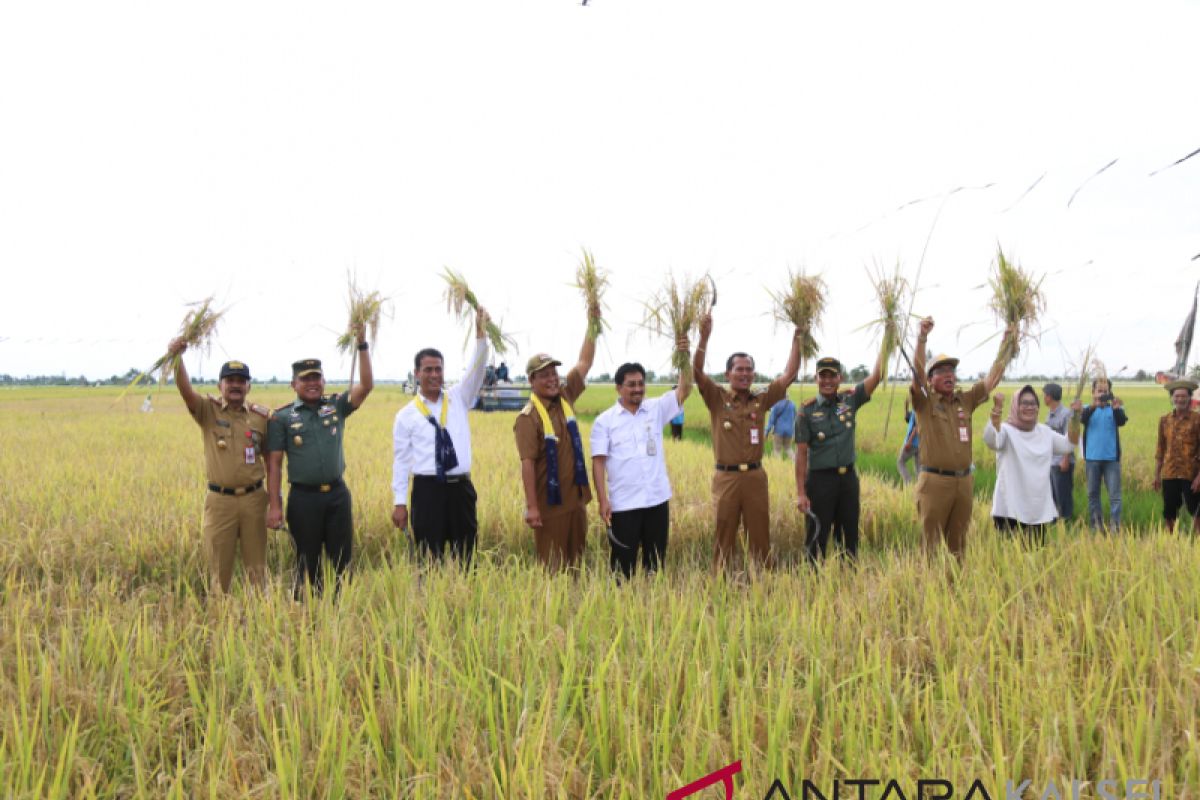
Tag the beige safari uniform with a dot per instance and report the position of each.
(944, 499)
(235, 509)
(739, 485)
(563, 535)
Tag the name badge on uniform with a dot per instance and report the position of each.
(651, 447)
(964, 435)
(250, 454)
(754, 435)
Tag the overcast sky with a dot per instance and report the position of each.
(155, 153)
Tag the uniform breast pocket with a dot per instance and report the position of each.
(222, 437)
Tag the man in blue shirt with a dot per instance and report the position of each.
(782, 421)
(1102, 451)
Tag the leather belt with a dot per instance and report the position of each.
(238, 492)
(838, 470)
(738, 467)
(318, 487)
(463, 478)
(949, 473)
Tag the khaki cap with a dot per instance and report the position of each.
(942, 360)
(540, 362)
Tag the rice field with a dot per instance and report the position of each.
(121, 677)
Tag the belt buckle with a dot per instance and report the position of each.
(743, 467)
(841, 470)
(238, 492)
(325, 487)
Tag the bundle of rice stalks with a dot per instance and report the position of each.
(676, 309)
(197, 331)
(366, 309)
(1018, 303)
(461, 301)
(592, 282)
(801, 304)
(891, 293)
(1087, 364)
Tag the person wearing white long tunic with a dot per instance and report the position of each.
(1022, 501)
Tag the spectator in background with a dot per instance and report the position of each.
(1102, 451)
(781, 426)
(677, 423)
(1062, 471)
(1177, 457)
(910, 449)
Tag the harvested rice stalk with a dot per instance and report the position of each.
(676, 309)
(1018, 303)
(1087, 364)
(197, 331)
(592, 282)
(366, 310)
(891, 293)
(801, 303)
(461, 301)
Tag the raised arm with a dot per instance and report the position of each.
(792, 368)
(872, 381)
(685, 376)
(996, 373)
(698, 374)
(918, 359)
(366, 380)
(182, 382)
(472, 379)
(587, 354)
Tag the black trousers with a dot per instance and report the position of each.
(1030, 534)
(639, 528)
(320, 522)
(835, 504)
(444, 513)
(1178, 492)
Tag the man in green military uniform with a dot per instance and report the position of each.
(311, 430)
(234, 434)
(826, 481)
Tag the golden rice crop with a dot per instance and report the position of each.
(801, 304)
(1018, 303)
(676, 309)
(592, 283)
(462, 302)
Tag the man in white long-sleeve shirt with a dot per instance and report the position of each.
(431, 446)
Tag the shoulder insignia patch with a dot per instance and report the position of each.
(810, 402)
(262, 411)
(527, 410)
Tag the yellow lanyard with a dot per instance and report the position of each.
(547, 427)
(420, 404)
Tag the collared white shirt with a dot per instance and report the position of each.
(413, 436)
(636, 479)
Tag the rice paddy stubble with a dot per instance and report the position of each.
(120, 678)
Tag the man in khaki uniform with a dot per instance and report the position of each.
(234, 434)
(944, 499)
(553, 469)
(738, 417)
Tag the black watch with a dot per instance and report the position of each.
(363, 346)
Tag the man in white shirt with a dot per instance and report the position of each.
(431, 444)
(630, 471)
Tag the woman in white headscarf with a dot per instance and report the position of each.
(1022, 501)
